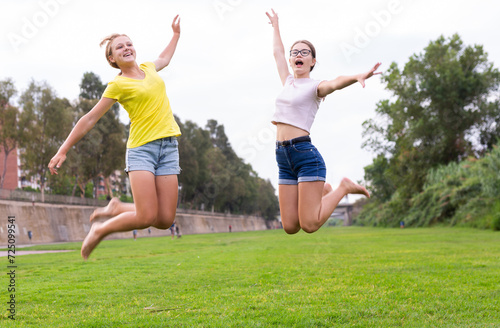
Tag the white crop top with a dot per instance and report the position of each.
(298, 103)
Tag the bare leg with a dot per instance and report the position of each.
(167, 190)
(114, 207)
(317, 201)
(92, 240)
(288, 198)
(327, 188)
(146, 210)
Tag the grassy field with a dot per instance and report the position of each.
(337, 277)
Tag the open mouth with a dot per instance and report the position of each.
(299, 63)
(127, 54)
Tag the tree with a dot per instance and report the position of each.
(193, 146)
(380, 183)
(267, 203)
(214, 177)
(91, 86)
(443, 108)
(219, 139)
(9, 133)
(45, 122)
(102, 150)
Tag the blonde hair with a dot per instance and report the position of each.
(109, 51)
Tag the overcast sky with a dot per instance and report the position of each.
(224, 69)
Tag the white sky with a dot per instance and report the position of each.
(224, 69)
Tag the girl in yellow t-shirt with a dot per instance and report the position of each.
(152, 158)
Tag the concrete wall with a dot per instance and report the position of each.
(62, 223)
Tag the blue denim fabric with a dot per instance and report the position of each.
(299, 162)
(160, 157)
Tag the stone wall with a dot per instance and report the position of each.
(51, 223)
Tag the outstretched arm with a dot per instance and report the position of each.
(278, 49)
(167, 54)
(327, 87)
(82, 127)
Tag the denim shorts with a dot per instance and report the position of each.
(160, 157)
(299, 162)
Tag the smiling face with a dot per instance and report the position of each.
(302, 64)
(122, 51)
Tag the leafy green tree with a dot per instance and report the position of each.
(220, 140)
(102, 150)
(91, 86)
(214, 177)
(193, 147)
(45, 121)
(266, 203)
(442, 109)
(380, 183)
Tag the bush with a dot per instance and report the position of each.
(30, 189)
(464, 194)
(496, 222)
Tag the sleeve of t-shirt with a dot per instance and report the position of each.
(149, 66)
(112, 91)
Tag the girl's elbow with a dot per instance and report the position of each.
(88, 121)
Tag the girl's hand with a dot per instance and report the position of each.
(364, 76)
(273, 19)
(176, 25)
(56, 163)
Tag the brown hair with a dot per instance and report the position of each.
(310, 45)
(109, 51)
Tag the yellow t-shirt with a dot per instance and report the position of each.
(147, 105)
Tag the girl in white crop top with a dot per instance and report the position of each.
(306, 201)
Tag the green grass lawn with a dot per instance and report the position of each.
(342, 277)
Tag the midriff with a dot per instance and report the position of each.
(287, 132)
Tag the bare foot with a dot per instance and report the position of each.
(327, 189)
(105, 211)
(91, 241)
(354, 188)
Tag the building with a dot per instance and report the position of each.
(12, 176)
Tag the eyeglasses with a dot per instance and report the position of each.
(303, 52)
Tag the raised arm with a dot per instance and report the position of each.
(278, 49)
(327, 87)
(167, 54)
(82, 127)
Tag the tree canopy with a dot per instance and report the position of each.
(45, 121)
(214, 178)
(444, 108)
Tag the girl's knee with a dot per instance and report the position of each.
(149, 221)
(291, 230)
(163, 225)
(146, 219)
(310, 228)
(164, 221)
